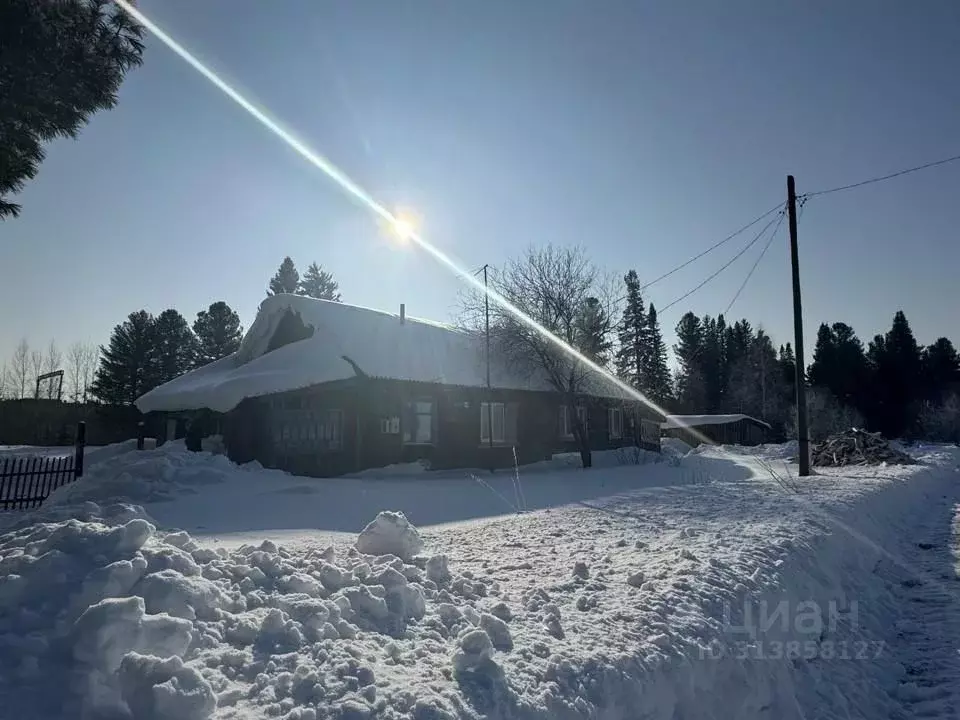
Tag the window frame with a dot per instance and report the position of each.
(410, 409)
(487, 419)
(566, 429)
(566, 426)
(390, 425)
(615, 413)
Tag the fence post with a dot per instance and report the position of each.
(80, 444)
(140, 435)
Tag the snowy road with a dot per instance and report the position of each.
(927, 635)
(722, 587)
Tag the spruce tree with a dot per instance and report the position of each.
(174, 349)
(896, 361)
(656, 373)
(286, 280)
(941, 370)
(632, 334)
(126, 365)
(319, 283)
(788, 363)
(218, 333)
(691, 389)
(840, 364)
(743, 390)
(711, 362)
(820, 372)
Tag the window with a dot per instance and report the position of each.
(390, 425)
(615, 423)
(300, 431)
(496, 412)
(328, 429)
(418, 423)
(566, 426)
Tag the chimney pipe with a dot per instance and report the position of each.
(403, 313)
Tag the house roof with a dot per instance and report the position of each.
(346, 339)
(681, 421)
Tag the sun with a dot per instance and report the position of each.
(402, 228)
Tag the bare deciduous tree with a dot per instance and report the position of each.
(940, 422)
(76, 357)
(20, 369)
(825, 416)
(562, 291)
(91, 359)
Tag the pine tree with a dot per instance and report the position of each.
(656, 373)
(175, 347)
(318, 283)
(126, 365)
(286, 280)
(218, 333)
(592, 332)
(691, 388)
(61, 63)
(632, 335)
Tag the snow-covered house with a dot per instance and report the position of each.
(324, 388)
(725, 429)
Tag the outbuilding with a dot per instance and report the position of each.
(722, 429)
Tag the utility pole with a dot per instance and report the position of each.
(802, 436)
(486, 312)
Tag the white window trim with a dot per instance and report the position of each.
(390, 425)
(433, 423)
(566, 426)
(566, 429)
(494, 409)
(615, 423)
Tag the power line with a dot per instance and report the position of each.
(883, 177)
(757, 262)
(713, 247)
(727, 264)
(710, 249)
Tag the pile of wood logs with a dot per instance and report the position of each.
(857, 447)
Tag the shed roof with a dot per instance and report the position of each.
(681, 421)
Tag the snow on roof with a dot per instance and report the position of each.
(679, 421)
(376, 342)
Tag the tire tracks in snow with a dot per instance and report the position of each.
(926, 638)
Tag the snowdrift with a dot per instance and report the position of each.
(638, 605)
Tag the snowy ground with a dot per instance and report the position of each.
(91, 453)
(715, 586)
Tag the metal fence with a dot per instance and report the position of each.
(27, 480)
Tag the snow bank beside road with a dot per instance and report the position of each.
(118, 474)
(634, 605)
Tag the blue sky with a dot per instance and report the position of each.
(644, 131)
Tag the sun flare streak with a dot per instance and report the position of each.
(401, 226)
